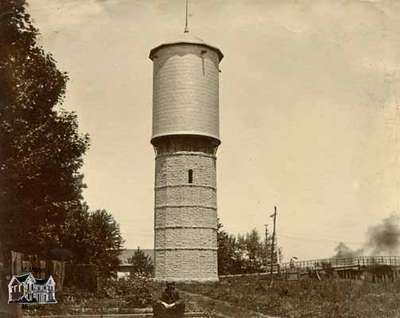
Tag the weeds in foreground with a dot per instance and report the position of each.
(330, 298)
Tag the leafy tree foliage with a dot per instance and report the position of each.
(247, 253)
(105, 241)
(76, 237)
(142, 263)
(41, 153)
(40, 147)
(229, 261)
(252, 251)
(93, 242)
(94, 238)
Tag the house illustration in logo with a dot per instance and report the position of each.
(26, 289)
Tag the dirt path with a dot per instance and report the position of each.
(221, 309)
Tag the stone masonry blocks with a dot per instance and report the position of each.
(184, 265)
(185, 217)
(169, 169)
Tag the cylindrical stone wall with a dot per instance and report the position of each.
(185, 222)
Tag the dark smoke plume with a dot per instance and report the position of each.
(343, 251)
(382, 239)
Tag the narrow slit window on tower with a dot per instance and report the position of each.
(190, 176)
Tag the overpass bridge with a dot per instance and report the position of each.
(371, 268)
(342, 263)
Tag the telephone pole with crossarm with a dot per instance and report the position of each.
(273, 244)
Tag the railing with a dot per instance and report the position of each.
(343, 262)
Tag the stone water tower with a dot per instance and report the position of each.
(185, 138)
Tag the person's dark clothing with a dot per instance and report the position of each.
(169, 297)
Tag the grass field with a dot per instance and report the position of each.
(122, 297)
(243, 296)
(307, 298)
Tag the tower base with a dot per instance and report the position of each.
(185, 216)
(188, 281)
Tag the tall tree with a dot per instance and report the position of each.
(103, 242)
(255, 251)
(141, 263)
(40, 147)
(230, 254)
(244, 253)
(226, 251)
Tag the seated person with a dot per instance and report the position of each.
(169, 304)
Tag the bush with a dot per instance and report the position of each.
(81, 276)
(136, 290)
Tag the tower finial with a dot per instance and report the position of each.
(186, 20)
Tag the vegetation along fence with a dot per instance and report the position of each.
(338, 263)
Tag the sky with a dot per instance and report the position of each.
(309, 110)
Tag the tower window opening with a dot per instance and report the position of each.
(190, 176)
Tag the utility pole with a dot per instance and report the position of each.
(273, 245)
(266, 247)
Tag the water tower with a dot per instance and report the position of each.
(185, 138)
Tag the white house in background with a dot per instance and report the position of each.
(26, 289)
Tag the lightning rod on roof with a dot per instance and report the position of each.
(186, 20)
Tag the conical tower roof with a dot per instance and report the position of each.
(186, 38)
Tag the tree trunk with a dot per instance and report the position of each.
(6, 310)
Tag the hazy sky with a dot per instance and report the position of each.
(309, 99)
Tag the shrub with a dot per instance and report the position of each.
(136, 290)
